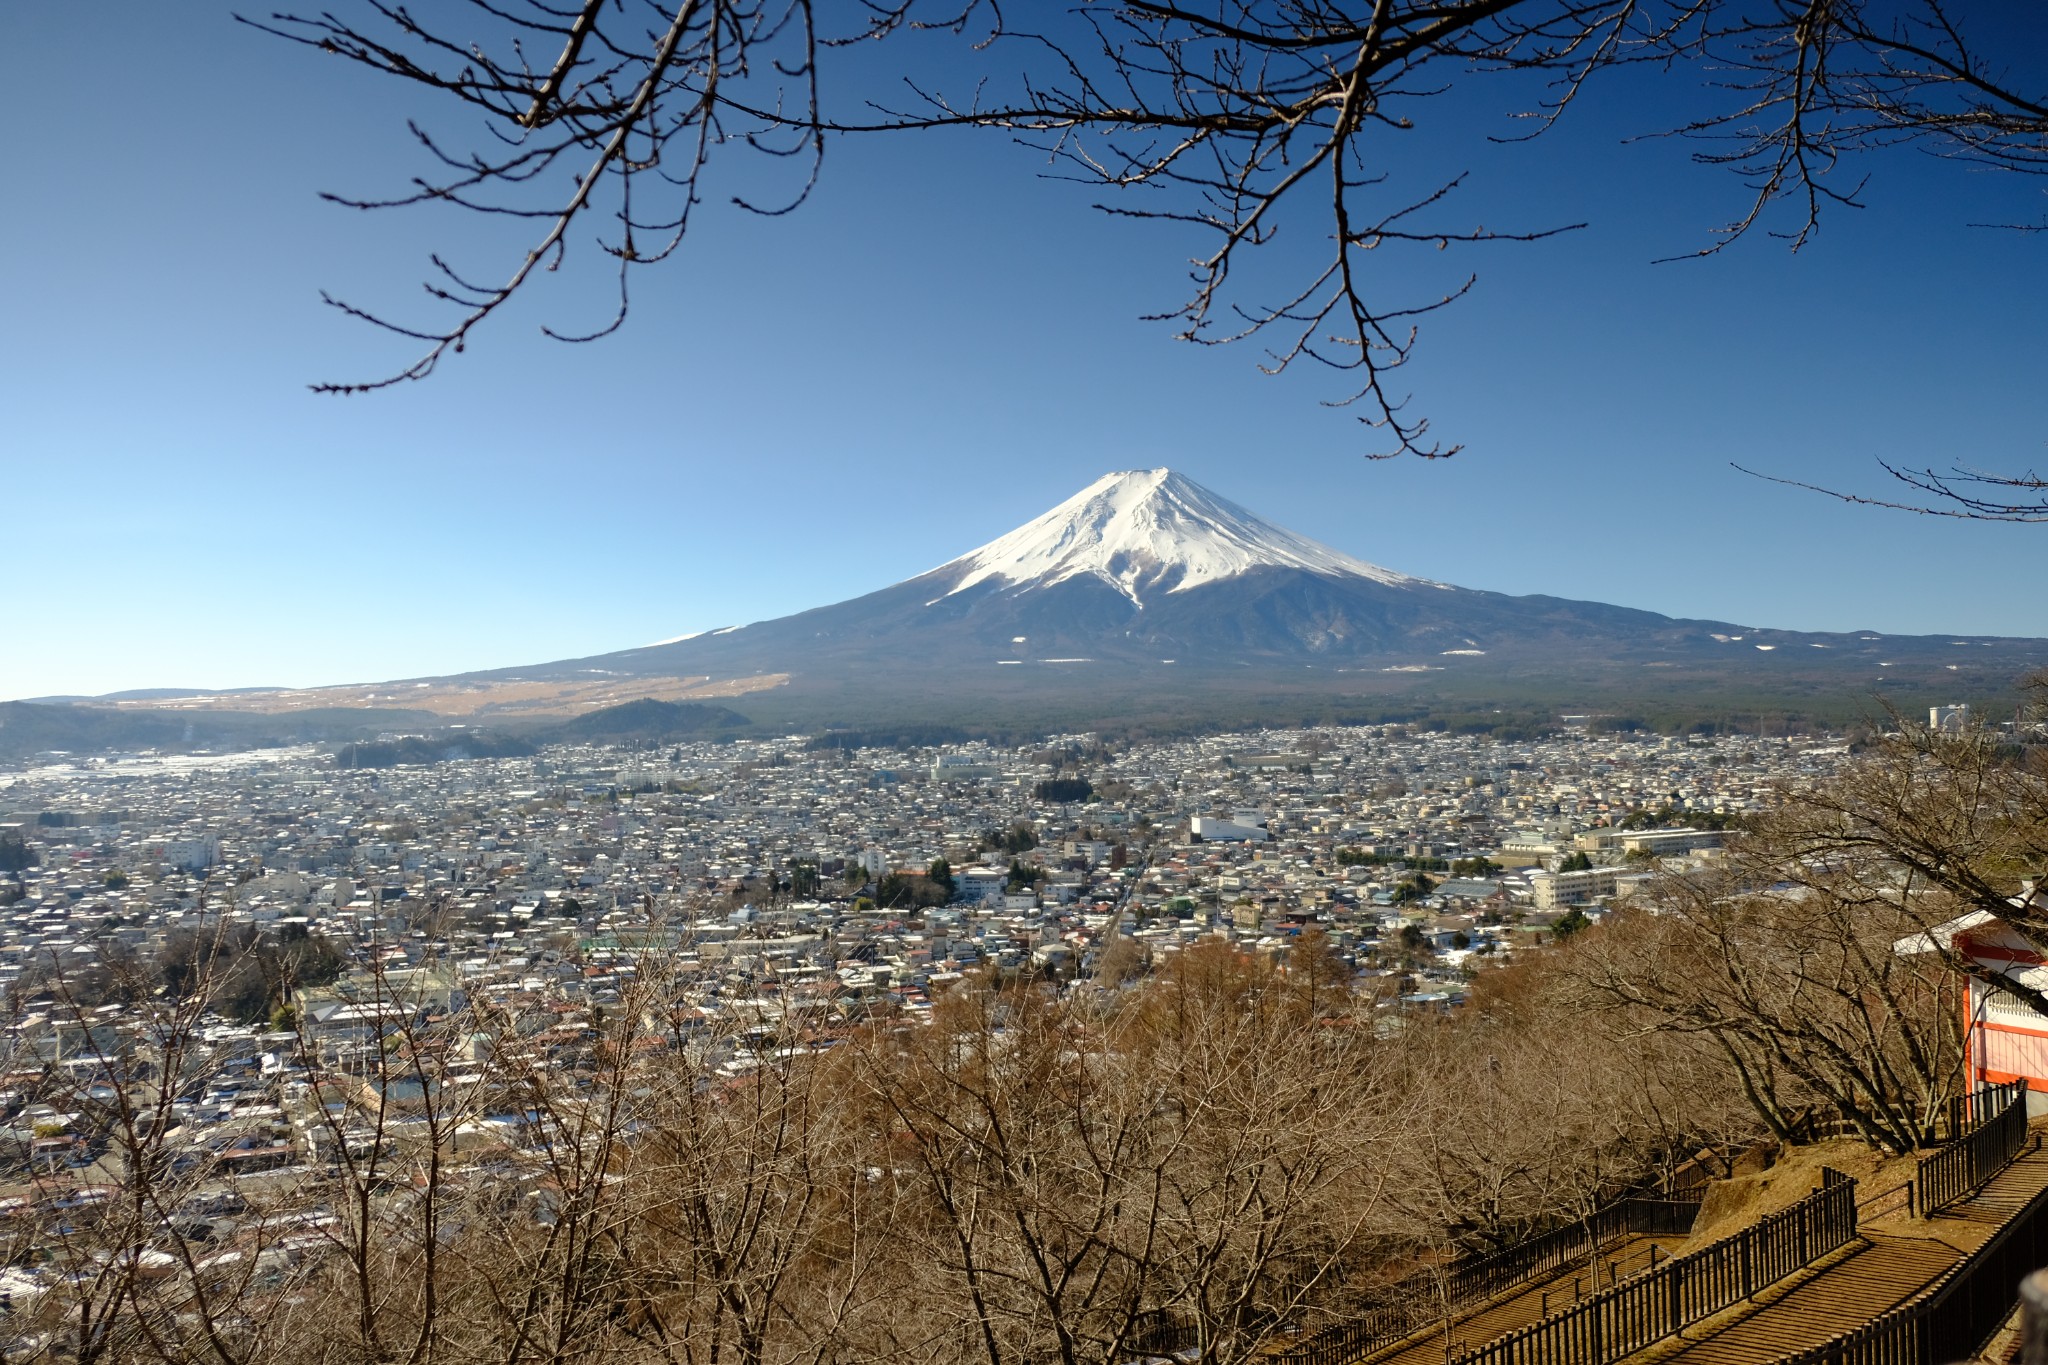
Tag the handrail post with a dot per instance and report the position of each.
(1674, 1300)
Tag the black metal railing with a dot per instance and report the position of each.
(1162, 1332)
(1898, 1199)
(1958, 1116)
(1599, 1276)
(1996, 1129)
(1618, 1321)
(1490, 1275)
(1425, 1297)
(1953, 1317)
(1347, 1341)
(1980, 1106)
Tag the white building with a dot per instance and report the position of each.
(981, 883)
(963, 768)
(193, 855)
(1660, 842)
(1557, 890)
(1204, 828)
(1526, 850)
(2004, 1037)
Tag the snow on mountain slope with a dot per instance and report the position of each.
(1143, 529)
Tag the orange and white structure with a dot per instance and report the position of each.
(2004, 1037)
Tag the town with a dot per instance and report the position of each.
(792, 878)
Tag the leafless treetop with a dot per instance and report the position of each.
(601, 118)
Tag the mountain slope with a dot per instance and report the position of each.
(645, 720)
(1146, 568)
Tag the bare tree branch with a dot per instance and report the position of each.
(1240, 119)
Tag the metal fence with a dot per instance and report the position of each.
(1422, 1298)
(1953, 1317)
(1618, 1321)
(1899, 1198)
(1347, 1341)
(1163, 1333)
(1607, 1324)
(1958, 1115)
(1553, 1250)
(1997, 1129)
(1980, 1106)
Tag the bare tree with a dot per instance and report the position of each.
(1232, 1149)
(1959, 492)
(137, 1260)
(1935, 823)
(1786, 957)
(752, 1239)
(1063, 1176)
(1803, 994)
(1232, 119)
(1539, 1109)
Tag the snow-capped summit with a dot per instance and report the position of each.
(1148, 531)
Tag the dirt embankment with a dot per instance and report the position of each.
(1768, 1180)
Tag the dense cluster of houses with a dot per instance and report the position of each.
(774, 878)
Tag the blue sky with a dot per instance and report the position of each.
(941, 345)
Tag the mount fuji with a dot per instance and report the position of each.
(1146, 572)
(1147, 596)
